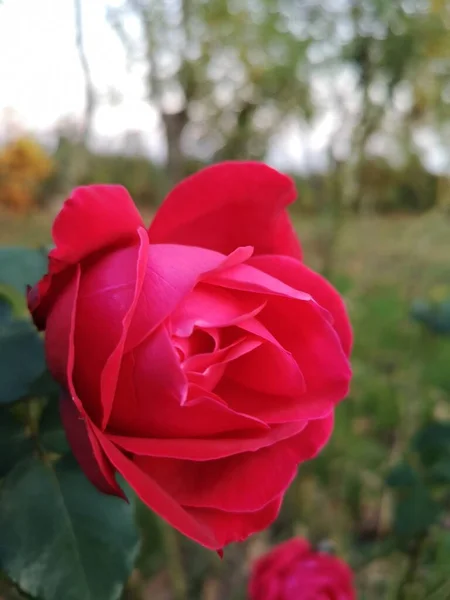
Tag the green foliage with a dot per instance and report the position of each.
(21, 359)
(59, 536)
(20, 267)
(433, 315)
(15, 442)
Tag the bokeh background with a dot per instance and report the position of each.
(350, 97)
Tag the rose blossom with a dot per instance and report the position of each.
(295, 571)
(200, 359)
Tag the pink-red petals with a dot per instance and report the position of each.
(158, 499)
(201, 449)
(228, 484)
(229, 205)
(236, 527)
(299, 276)
(294, 570)
(86, 449)
(93, 218)
(201, 360)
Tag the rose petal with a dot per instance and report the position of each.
(157, 499)
(315, 346)
(270, 370)
(240, 483)
(172, 273)
(246, 278)
(298, 276)
(273, 565)
(212, 306)
(201, 449)
(231, 527)
(60, 354)
(229, 205)
(109, 292)
(272, 408)
(86, 449)
(207, 369)
(150, 397)
(94, 217)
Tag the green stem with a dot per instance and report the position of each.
(9, 590)
(412, 567)
(174, 562)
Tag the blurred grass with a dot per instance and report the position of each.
(401, 379)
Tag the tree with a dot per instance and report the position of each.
(223, 75)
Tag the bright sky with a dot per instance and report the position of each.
(41, 81)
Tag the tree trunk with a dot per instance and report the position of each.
(174, 125)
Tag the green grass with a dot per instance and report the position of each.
(401, 379)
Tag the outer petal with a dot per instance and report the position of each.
(316, 347)
(241, 483)
(202, 449)
(298, 276)
(272, 408)
(159, 500)
(86, 449)
(109, 293)
(236, 527)
(229, 205)
(76, 422)
(93, 218)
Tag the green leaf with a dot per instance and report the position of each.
(51, 432)
(432, 443)
(45, 387)
(60, 537)
(21, 359)
(402, 476)
(6, 308)
(14, 442)
(20, 267)
(12, 303)
(415, 512)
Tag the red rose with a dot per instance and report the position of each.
(201, 359)
(294, 571)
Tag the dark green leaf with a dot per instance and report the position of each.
(432, 443)
(440, 472)
(415, 512)
(14, 442)
(435, 316)
(20, 267)
(402, 476)
(6, 309)
(60, 537)
(51, 431)
(45, 387)
(21, 359)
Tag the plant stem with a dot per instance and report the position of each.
(174, 562)
(411, 569)
(9, 590)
